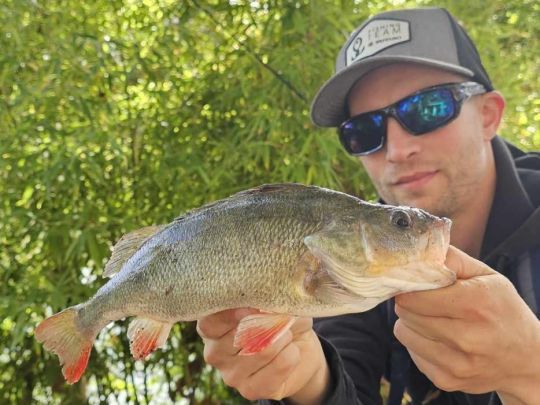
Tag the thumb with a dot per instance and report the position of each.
(464, 265)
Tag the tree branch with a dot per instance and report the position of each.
(253, 54)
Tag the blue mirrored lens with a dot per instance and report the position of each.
(426, 111)
(363, 133)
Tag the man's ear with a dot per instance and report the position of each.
(492, 108)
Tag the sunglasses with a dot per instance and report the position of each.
(419, 113)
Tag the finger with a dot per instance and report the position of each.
(217, 325)
(436, 352)
(237, 369)
(301, 325)
(294, 367)
(272, 380)
(431, 327)
(441, 378)
(448, 300)
(448, 379)
(442, 302)
(464, 265)
(267, 355)
(219, 351)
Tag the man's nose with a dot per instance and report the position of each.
(400, 144)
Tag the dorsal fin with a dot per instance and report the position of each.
(269, 188)
(262, 189)
(127, 246)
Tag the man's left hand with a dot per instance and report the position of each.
(476, 336)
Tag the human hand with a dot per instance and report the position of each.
(476, 335)
(294, 366)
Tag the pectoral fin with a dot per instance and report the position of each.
(256, 332)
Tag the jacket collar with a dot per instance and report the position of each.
(511, 204)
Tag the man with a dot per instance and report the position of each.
(414, 103)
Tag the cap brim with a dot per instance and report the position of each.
(328, 107)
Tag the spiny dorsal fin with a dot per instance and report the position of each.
(275, 187)
(127, 246)
(262, 189)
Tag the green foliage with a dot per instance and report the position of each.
(119, 114)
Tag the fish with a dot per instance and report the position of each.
(289, 250)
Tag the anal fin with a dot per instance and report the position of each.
(256, 332)
(146, 335)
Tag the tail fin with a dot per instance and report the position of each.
(60, 335)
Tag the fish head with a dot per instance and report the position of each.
(395, 235)
(379, 250)
(406, 248)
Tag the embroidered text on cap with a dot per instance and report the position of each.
(376, 36)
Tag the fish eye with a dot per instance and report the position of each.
(401, 219)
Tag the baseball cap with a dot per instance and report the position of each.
(427, 36)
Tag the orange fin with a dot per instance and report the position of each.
(256, 332)
(60, 335)
(146, 335)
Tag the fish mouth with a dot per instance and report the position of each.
(444, 224)
(427, 272)
(438, 240)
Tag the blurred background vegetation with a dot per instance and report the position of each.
(115, 114)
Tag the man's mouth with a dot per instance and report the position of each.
(416, 179)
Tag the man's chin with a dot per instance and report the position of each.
(425, 193)
(422, 201)
(429, 206)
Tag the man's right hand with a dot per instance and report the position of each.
(293, 367)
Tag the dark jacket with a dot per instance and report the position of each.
(361, 348)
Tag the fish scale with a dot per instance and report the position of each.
(286, 249)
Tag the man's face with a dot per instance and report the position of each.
(439, 171)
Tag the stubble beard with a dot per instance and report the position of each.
(437, 201)
(451, 199)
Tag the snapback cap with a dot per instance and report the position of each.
(427, 36)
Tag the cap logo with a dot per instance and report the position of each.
(376, 36)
